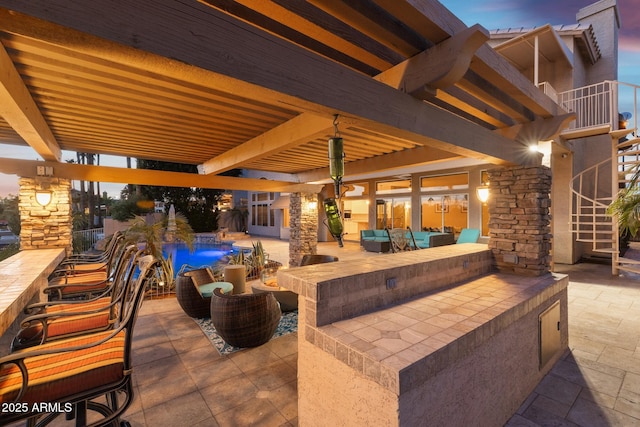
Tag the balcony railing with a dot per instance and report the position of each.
(600, 104)
(549, 90)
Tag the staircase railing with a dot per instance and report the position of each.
(589, 219)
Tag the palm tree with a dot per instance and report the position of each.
(153, 236)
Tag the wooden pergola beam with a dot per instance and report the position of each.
(407, 158)
(438, 67)
(299, 130)
(19, 109)
(73, 171)
(198, 35)
(434, 21)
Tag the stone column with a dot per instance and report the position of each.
(50, 226)
(519, 219)
(303, 213)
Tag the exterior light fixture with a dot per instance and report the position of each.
(334, 221)
(483, 193)
(43, 197)
(336, 157)
(336, 172)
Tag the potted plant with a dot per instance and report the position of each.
(256, 260)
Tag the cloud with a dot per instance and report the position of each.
(629, 44)
(629, 36)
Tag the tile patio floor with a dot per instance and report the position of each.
(181, 380)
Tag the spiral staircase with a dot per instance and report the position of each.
(594, 188)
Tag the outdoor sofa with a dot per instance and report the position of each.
(378, 240)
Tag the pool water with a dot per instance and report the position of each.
(204, 254)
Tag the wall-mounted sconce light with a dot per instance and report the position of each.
(483, 193)
(43, 197)
(312, 206)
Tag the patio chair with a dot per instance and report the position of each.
(67, 375)
(399, 240)
(61, 319)
(84, 285)
(194, 289)
(245, 320)
(469, 235)
(80, 263)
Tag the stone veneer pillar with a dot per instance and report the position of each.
(303, 214)
(49, 226)
(519, 219)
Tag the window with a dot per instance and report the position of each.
(393, 187)
(446, 212)
(393, 213)
(261, 213)
(440, 183)
(444, 203)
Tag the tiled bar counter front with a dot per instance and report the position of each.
(430, 337)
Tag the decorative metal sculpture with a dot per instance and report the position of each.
(334, 221)
(336, 171)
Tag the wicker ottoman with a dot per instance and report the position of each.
(246, 320)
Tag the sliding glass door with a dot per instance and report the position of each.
(393, 212)
(447, 213)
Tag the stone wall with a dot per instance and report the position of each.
(520, 220)
(45, 227)
(303, 214)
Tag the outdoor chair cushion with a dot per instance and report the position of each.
(206, 290)
(469, 235)
(94, 277)
(57, 376)
(374, 235)
(91, 317)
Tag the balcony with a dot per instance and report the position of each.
(600, 108)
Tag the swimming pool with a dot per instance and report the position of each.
(204, 254)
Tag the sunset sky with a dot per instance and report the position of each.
(490, 14)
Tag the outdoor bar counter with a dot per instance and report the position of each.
(22, 277)
(431, 337)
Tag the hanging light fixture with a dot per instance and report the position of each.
(336, 157)
(336, 171)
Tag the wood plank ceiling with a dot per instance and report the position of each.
(103, 96)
